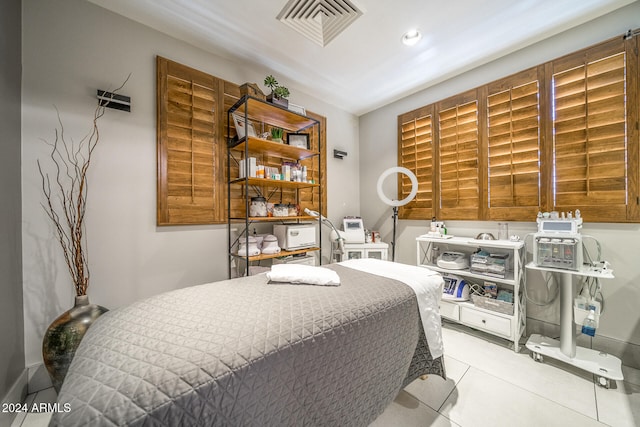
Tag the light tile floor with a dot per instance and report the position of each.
(36, 419)
(489, 385)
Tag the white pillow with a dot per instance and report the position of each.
(303, 274)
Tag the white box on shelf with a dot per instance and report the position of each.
(295, 236)
(252, 167)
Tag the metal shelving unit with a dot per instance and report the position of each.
(255, 110)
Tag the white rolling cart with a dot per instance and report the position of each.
(558, 248)
(605, 366)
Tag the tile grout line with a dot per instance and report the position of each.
(597, 415)
(452, 390)
(595, 398)
(541, 396)
(23, 415)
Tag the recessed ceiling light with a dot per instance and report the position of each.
(411, 37)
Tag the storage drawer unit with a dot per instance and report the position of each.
(366, 250)
(449, 310)
(485, 321)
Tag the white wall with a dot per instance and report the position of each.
(378, 145)
(70, 49)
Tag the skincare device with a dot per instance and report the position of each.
(455, 288)
(453, 260)
(353, 230)
(558, 243)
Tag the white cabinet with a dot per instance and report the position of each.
(502, 323)
(366, 250)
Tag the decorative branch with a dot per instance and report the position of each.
(66, 190)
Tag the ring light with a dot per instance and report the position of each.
(414, 186)
(397, 203)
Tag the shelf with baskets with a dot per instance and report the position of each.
(270, 173)
(504, 319)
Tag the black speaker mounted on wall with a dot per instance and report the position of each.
(113, 100)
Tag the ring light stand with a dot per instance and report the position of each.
(397, 203)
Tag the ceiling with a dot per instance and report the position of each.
(365, 66)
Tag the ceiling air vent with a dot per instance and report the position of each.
(319, 20)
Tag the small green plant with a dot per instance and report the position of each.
(281, 92)
(271, 82)
(276, 133)
(277, 90)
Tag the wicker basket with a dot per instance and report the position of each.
(493, 304)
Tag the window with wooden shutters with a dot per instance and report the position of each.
(561, 136)
(513, 138)
(589, 127)
(190, 156)
(192, 134)
(458, 154)
(415, 153)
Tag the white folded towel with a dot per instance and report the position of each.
(303, 274)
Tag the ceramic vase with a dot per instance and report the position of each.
(64, 335)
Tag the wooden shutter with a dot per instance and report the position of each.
(458, 154)
(564, 135)
(632, 46)
(590, 143)
(190, 151)
(415, 152)
(513, 127)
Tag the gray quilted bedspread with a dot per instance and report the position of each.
(244, 352)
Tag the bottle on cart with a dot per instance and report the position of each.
(589, 324)
(435, 253)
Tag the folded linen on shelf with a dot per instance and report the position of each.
(303, 275)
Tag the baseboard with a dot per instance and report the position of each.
(17, 394)
(38, 378)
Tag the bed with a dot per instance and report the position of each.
(250, 352)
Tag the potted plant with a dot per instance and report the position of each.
(276, 134)
(65, 188)
(279, 94)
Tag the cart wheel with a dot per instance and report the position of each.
(537, 357)
(604, 382)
